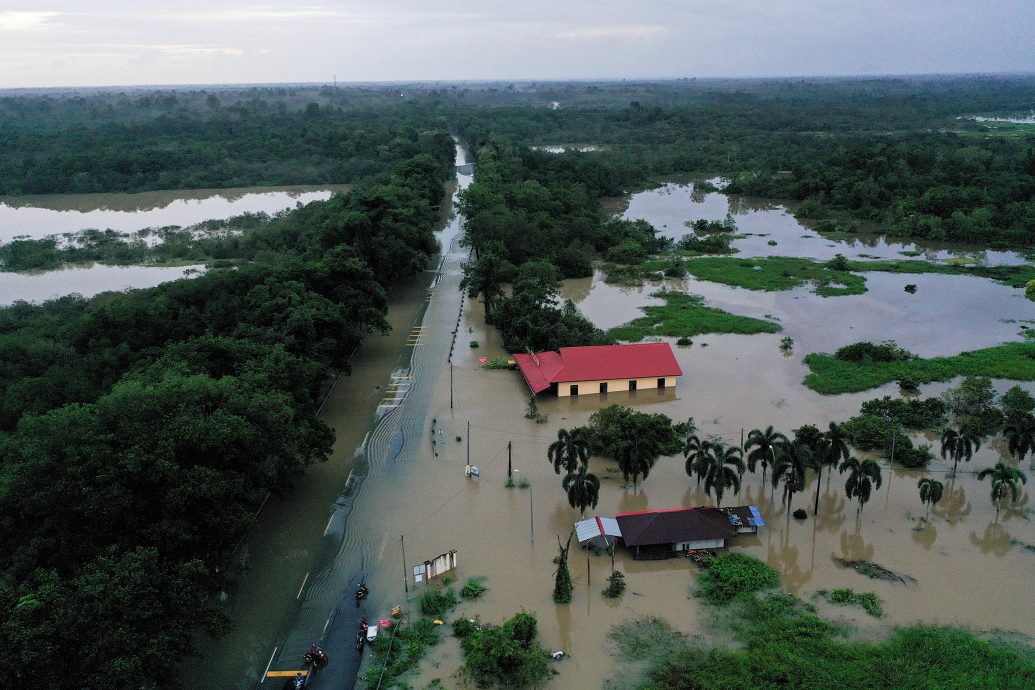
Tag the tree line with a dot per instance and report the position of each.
(140, 430)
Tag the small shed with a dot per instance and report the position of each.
(600, 532)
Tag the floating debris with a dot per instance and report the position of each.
(874, 570)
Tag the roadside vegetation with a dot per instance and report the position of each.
(781, 642)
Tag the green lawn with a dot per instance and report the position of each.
(685, 315)
(831, 376)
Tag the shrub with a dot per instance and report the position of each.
(435, 602)
(507, 656)
(838, 263)
(473, 344)
(509, 484)
(473, 589)
(908, 383)
(615, 585)
(462, 627)
(786, 343)
(801, 514)
(887, 351)
(868, 601)
(908, 456)
(684, 342)
(732, 574)
(562, 586)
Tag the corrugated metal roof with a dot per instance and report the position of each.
(597, 363)
(592, 528)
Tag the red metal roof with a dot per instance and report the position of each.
(597, 363)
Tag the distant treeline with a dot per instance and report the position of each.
(139, 430)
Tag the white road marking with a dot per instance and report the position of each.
(270, 663)
(304, 580)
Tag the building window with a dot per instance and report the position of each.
(574, 389)
(603, 387)
(661, 383)
(632, 385)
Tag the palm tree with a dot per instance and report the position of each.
(792, 459)
(763, 447)
(1020, 436)
(1004, 480)
(570, 449)
(930, 493)
(695, 450)
(959, 445)
(862, 479)
(636, 457)
(832, 448)
(724, 471)
(583, 489)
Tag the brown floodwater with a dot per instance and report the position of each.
(40, 216)
(669, 206)
(406, 450)
(40, 286)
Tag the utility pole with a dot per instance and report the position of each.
(468, 442)
(510, 466)
(451, 384)
(406, 575)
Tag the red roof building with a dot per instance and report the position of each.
(600, 368)
(663, 533)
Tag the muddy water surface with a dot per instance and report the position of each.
(33, 286)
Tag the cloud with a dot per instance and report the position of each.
(25, 21)
(612, 31)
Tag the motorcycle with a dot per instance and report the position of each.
(315, 656)
(360, 641)
(361, 593)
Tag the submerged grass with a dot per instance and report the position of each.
(776, 273)
(832, 376)
(685, 315)
(786, 645)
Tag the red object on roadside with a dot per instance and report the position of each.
(385, 623)
(482, 360)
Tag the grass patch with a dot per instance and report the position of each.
(868, 601)
(777, 273)
(733, 574)
(832, 376)
(685, 315)
(474, 588)
(434, 602)
(784, 644)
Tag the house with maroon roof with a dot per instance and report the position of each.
(654, 534)
(600, 369)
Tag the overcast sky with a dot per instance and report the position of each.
(116, 42)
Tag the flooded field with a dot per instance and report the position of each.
(33, 286)
(54, 214)
(668, 206)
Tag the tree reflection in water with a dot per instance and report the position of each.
(925, 535)
(995, 540)
(954, 504)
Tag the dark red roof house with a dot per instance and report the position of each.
(600, 368)
(662, 533)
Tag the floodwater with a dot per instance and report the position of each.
(763, 221)
(55, 214)
(40, 286)
(561, 148)
(408, 492)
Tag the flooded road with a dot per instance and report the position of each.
(54, 214)
(307, 547)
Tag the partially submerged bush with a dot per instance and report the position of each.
(868, 601)
(732, 574)
(615, 585)
(462, 627)
(434, 602)
(473, 589)
(886, 351)
(507, 656)
(800, 514)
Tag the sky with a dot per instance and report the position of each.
(55, 43)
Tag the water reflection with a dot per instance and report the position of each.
(993, 541)
(954, 504)
(86, 281)
(925, 534)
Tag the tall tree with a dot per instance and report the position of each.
(792, 460)
(726, 465)
(1019, 432)
(832, 449)
(930, 493)
(1004, 480)
(583, 489)
(696, 452)
(863, 477)
(959, 445)
(636, 458)
(568, 451)
(762, 448)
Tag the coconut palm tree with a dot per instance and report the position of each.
(570, 449)
(959, 445)
(792, 459)
(695, 450)
(1020, 436)
(635, 458)
(1004, 480)
(724, 471)
(583, 489)
(762, 446)
(832, 449)
(930, 493)
(863, 477)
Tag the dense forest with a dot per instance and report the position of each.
(139, 430)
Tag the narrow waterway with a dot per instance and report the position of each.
(308, 546)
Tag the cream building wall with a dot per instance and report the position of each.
(613, 385)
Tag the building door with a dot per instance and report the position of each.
(574, 390)
(603, 387)
(661, 384)
(632, 385)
